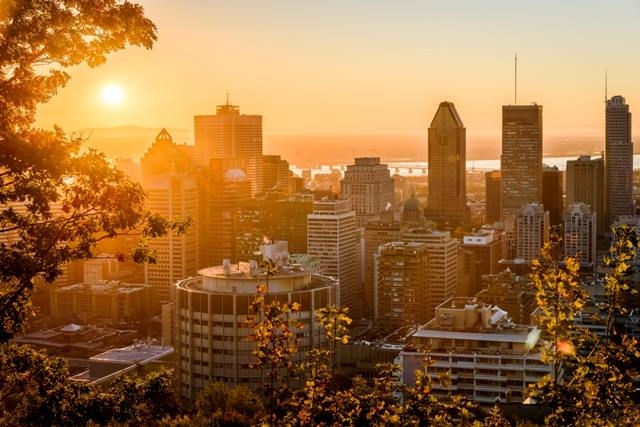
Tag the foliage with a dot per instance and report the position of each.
(35, 389)
(57, 202)
(598, 371)
(219, 405)
(274, 333)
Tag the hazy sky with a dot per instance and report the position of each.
(353, 66)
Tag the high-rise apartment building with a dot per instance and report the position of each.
(229, 134)
(618, 159)
(585, 184)
(493, 191)
(333, 237)
(171, 185)
(580, 234)
(532, 231)
(552, 193)
(376, 233)
(521, 159)
(443, 265)
(369, 186)
(401, 282)
(447, 200)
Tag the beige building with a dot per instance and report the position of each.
(580, 227)
(369, 186)
(443, 265)
(210, 313)
(110, 301)
(333, 237)
(532, 232)
(486, 355)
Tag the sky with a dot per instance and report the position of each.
(366, 67)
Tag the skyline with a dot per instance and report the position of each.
(336, 68)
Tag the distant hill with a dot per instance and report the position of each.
(128, 141)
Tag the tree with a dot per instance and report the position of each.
(598, 371)
(57, 202)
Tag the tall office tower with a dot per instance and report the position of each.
(532, 231)
(493, 191)
(447, 201)
(172, 190)
(521, 159)
(618, 159)
(401, 281)
(235, 190)
(229, 134)
(585, 184)
(443, 264)
(369, 186)
(376, 233)
(580, 234)
(333, 237)
(275, 174)
(552, 193)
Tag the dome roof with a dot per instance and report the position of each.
(412, 204)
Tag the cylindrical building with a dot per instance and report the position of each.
(210, 321)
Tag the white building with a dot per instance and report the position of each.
(333, 237)
(210, 313)
(532, 231)
(369, 186)
(580, 227)
(486, 355)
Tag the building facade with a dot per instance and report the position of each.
(211, 332)
(333, 237)
(487, 356)
(532, 231)
(368, 184)
(401, 282)
(447, 201)
(552, 194)
(618, 160)
(585, 184)
(229, 134)
(521, 159)
(580, 234)
(493, 192)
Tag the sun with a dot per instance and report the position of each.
(112, 94)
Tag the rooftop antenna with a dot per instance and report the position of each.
(605, 86)
(227, 98)
(515, 80)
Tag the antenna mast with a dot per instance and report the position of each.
(605, 86)
(515, 80)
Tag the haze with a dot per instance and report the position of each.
(375, 69)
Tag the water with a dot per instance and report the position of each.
(407, 168)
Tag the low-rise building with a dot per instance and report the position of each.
(486, 356)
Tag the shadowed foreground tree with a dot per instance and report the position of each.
(57, 202)
(597, 371)
(35, 391)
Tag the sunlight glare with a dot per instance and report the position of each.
(112, 94)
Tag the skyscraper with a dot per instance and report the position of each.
(229, 134)
(334, 238)
(521, 159)
(618, 160)
(493, 191)
(170, 182)
(369, 186)
(552, 193)
(585, 184)
(447, 167)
